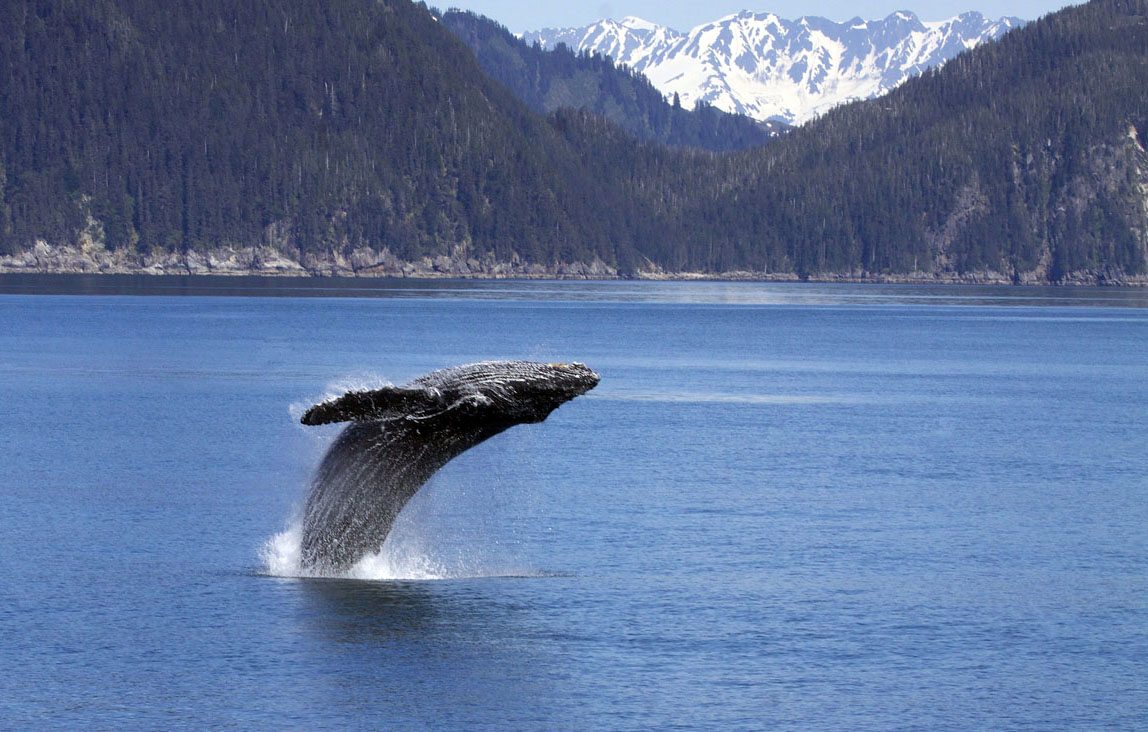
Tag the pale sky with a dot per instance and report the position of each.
(524, 15)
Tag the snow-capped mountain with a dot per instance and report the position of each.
(766, 67)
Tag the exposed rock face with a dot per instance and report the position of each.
(45, 258)
(88, 258)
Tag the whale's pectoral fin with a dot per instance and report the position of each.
(389, 402)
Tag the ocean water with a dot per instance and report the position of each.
(785, 507)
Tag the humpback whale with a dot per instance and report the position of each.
(399, 436)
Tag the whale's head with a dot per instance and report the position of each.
(518, 391)
(499, 393)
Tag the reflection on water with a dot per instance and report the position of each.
(353, 610)
(402, 650)
(611, 291)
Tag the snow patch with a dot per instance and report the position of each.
(770, 68)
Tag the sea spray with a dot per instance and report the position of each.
(452, 529)
(281, 556)
(409, 553)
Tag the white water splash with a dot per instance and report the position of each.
(397, 560)
(403, 556)
(281, 553)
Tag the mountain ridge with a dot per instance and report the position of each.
(769, 68)
(550, 80)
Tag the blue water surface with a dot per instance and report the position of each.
(786, 507)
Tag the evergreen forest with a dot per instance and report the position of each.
(319, 129)
(549, 80)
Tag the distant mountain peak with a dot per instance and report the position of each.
(636, 23)
(767, 67)
(550, 81)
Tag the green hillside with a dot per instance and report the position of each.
(180, 126)
(362, 136)
(551, 80)
(1024, 157)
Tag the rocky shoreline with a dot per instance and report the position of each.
(45, 258)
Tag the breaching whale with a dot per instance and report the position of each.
(400, 435)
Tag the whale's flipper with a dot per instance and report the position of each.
(399, 436)
(389, 402)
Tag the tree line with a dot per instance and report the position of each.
(308, 127)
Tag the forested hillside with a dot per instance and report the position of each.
(171, 125)
(549, 80)
(1023, 157)
(362, 136)
(1022, 160)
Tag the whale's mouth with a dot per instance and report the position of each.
(573, 379)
